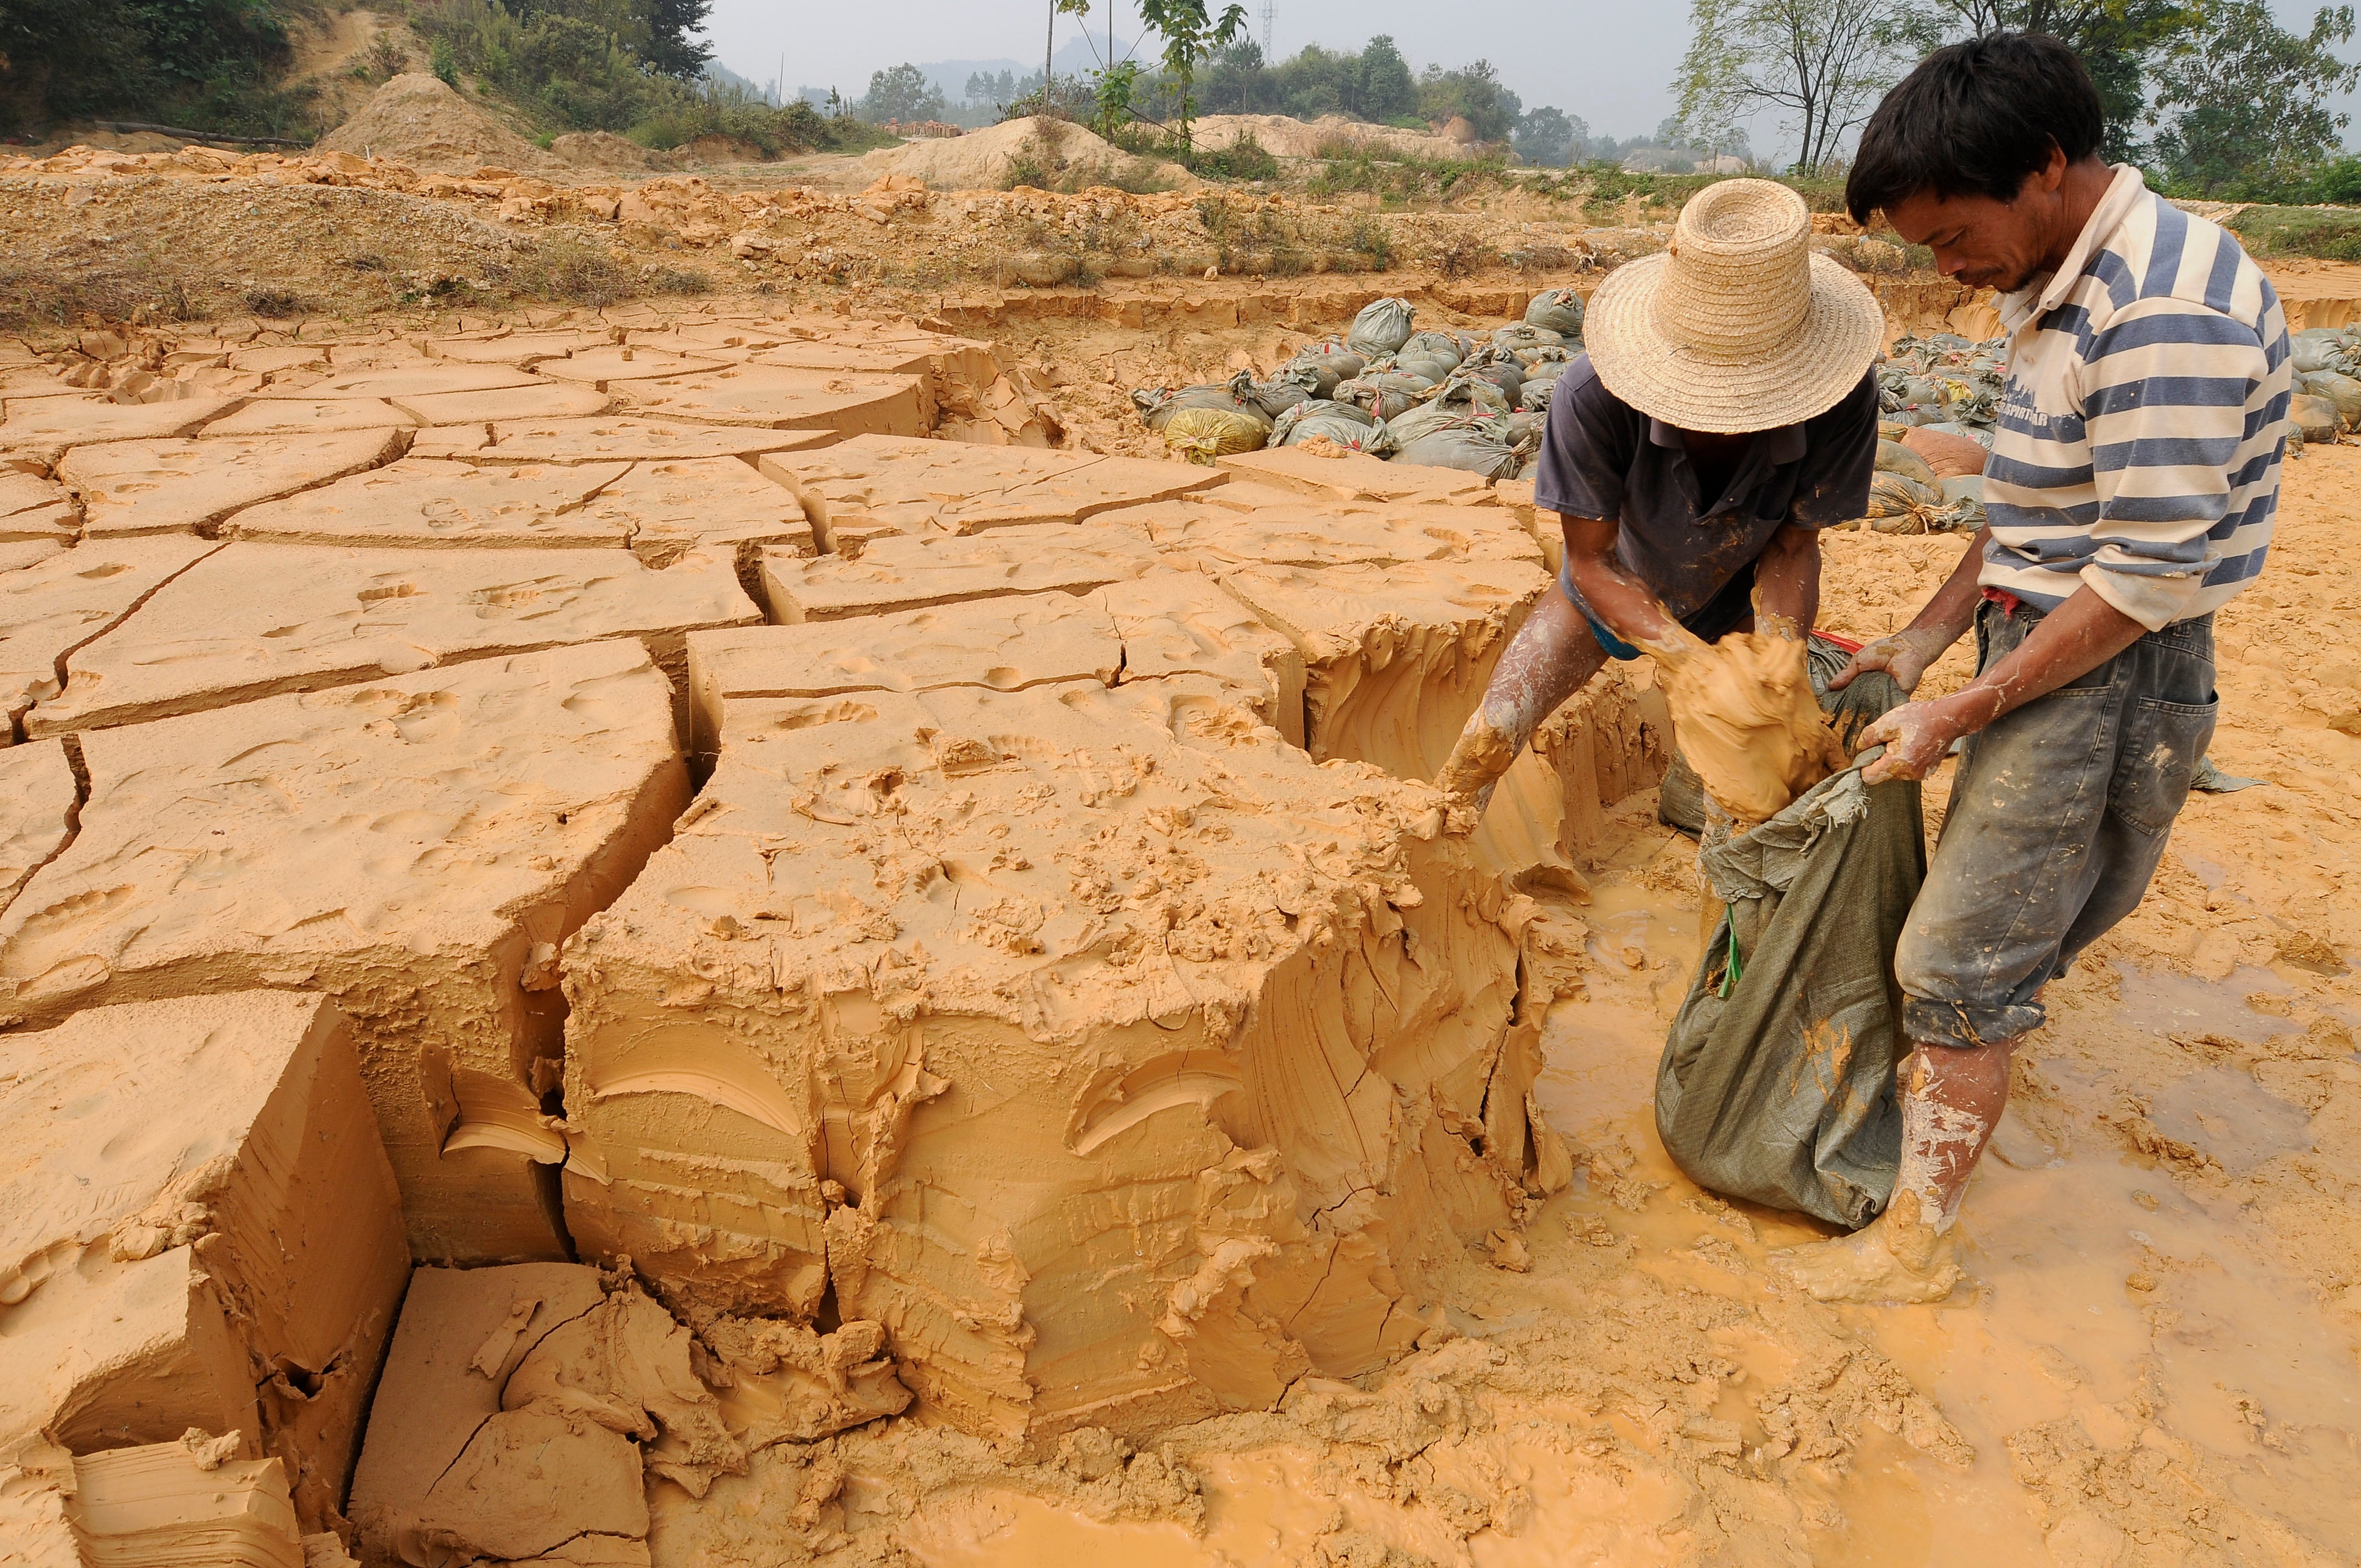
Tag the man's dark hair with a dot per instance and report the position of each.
(1975, 118)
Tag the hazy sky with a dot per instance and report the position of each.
(1610, 61)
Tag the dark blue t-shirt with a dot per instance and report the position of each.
(1603, 458)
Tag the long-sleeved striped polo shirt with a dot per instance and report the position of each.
(2140, 433)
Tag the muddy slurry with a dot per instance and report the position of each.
(746, 935)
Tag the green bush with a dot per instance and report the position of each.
(2330, 236)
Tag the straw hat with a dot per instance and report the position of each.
(1738, 325)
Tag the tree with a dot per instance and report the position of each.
(1546, 136)
(2251, 98)
(2118, 41)
(1190, 36)
(902, 93)
(1386, 89)
(1475, 94)
(1823, 61)
(670, 49)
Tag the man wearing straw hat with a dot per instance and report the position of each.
(1725, 412)
(2130, 494)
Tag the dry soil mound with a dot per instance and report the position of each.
(983, 161)
(1287, 137)
(415, 119)
(605, 149)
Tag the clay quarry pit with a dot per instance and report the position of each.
(724, 931)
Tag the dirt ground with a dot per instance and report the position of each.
(2158, 1358)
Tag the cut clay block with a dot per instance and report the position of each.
(522, 1406)
(46, 427)
(718, 505)
(1182, 623)
(308, 416)
(212, 1238)
(416, 847)
(620, 362)
(913, 571)
(15, 553)
(1205, 535)
(1005, 644)
(609, 438)
(422, 500)
(1395, 657)
(1357, 476)
(21, 492)
(1123, 1071)
(54, 606)
(171, 486)
(334, 617)
(422, 379)
(37, 810)
(177, 1504)
(779, 399)
(868, 487)
(543, 400)
(512, 347)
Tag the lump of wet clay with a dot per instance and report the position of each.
(415, 847)
(1005, 644)
(1116, 1059)
(175, 486)
(421, 501)
(872, 485)
(54, 606)
(1745, 717)
(1395, 657)
(334, 617)
(913, 571)
(211, 1238)
(523, 1409)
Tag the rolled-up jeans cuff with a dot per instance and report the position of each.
(1963, 1025)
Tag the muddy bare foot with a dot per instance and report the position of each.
(1895, 1259)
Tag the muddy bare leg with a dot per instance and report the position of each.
(1951, 1100)
(1547, 661)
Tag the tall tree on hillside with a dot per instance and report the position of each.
(2251, 98)
(1823, 61)
(1547, 136)
(1191, 36)
(1474, 94)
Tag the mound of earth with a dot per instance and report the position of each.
(415, 119)
(987, 159)
(1289, 138)
(605, 149)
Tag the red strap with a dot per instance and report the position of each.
(1847, 643)
(2008, 602)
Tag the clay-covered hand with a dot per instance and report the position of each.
(1915, 736)
(1905, 655)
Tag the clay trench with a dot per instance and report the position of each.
(600, 874)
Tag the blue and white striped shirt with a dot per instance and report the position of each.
(2142, 427)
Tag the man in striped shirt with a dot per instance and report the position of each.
(2130, 493)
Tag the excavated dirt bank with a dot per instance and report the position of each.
(904, 1001)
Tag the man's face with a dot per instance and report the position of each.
(1986, 244)
(1982, 243)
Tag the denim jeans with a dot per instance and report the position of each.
(2056, 821)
